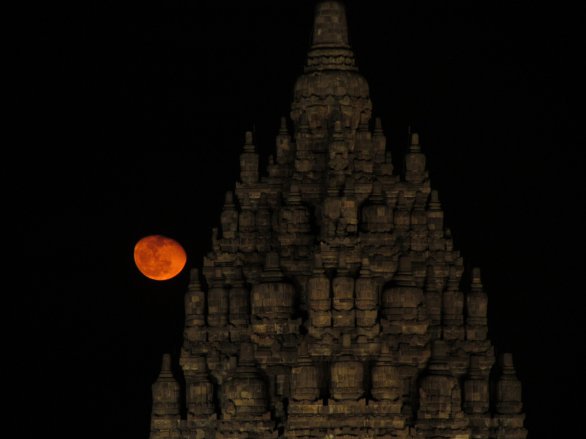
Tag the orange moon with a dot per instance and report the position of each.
(159, 257)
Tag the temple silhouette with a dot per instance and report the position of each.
(333, 303)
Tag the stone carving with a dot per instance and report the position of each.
(332, 303)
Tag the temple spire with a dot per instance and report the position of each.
(330, 27)
(330, 89)
(330, 49)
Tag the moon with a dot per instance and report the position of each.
(158, 257)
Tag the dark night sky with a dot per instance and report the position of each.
(140, 116)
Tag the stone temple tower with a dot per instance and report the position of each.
(333, 304)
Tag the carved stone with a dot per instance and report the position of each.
(332, 302)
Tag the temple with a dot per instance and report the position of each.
(333, 303)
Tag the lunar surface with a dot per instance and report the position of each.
(159, 258)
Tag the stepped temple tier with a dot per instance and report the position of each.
(333, 303)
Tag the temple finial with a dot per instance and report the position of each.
(283, 128)
(330, 27)
(414, 147)
(166, 366)
(248, 142)
(330, 49)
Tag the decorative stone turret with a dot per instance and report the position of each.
(440, 412)
(248, 161)
(477, 398)
(379, 143)
(476, 392)
(433, 302)
(347, 376)
(272, 299)
(318, 295)
(508, 389)
(435, 214)
(402, 303)
(476, 309)
(285, 147)
(414, 162)
(239, 301)
(509, 405)
(244, 393)
(305, 385)
(218, 304)
(377, 216)
(453, 308)
(200, 389)
(229, 217)
(402, 213)
(387, 382)
(343, 313)
(366, 297)
(195, 330)
(165, 418)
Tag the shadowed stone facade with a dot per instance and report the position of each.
(333, 304)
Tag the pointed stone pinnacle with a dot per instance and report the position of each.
(414, 147)
(330, 28)
(248, 145)
(476, 279)
(434, 202)
(283, 128)
(166, 367)
(378, 127)
(430, 279)
(229, 201)
(194, 282)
